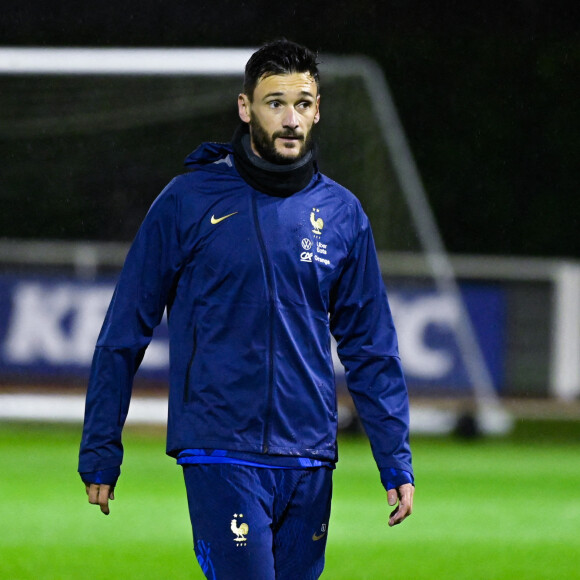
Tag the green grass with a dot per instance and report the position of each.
(484, 509)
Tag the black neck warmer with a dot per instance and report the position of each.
(271, 178)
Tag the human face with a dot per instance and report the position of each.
(281, 115)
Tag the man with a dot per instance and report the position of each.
(258, 258)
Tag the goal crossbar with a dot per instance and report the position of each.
(123, 61)
(231, 61)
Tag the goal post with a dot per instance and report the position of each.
(103, 116)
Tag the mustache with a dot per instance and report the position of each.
(288, 134)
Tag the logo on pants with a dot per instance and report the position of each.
(316, 537)
(240, 531)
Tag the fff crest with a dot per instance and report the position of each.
(317, 223)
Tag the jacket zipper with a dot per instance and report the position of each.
(187, 389)
(270, 287)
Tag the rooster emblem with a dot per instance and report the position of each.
(240, 531)
(317, 223)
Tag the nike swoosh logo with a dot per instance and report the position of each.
(215, 220)
(315, 537)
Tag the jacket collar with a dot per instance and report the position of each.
(271, 178)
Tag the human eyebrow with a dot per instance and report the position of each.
(277, 94)
(272, 95)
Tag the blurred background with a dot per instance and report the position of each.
(487, 94)
(477, 156)
(455, 123)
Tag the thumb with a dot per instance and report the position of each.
(392, 497)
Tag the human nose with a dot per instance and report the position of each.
(290, 119)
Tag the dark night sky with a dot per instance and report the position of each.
(487, 92)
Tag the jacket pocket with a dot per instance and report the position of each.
(188, 387)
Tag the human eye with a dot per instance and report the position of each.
(274, 104)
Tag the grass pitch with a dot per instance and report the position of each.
(484, 509)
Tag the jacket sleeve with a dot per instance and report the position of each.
(361, 322)
(141, 295)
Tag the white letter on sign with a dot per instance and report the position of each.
(55, 324)
(412, 319)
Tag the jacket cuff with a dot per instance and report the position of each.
(392, 478)
(103, 476)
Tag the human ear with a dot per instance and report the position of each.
(244, 107)
(317, 115)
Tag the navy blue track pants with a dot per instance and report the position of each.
(254, 523)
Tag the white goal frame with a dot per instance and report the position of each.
(491, 414)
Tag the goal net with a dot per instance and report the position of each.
(89, 137)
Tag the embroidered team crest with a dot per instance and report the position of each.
(317, 223)
(240, 531)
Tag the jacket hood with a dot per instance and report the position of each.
(207, 153)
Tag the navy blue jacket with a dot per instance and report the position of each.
(253, 285)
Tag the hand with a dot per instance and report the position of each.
(404, 495)
(100, 495)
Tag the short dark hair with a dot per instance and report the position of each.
(279, 57)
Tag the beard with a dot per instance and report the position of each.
(265, 144)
